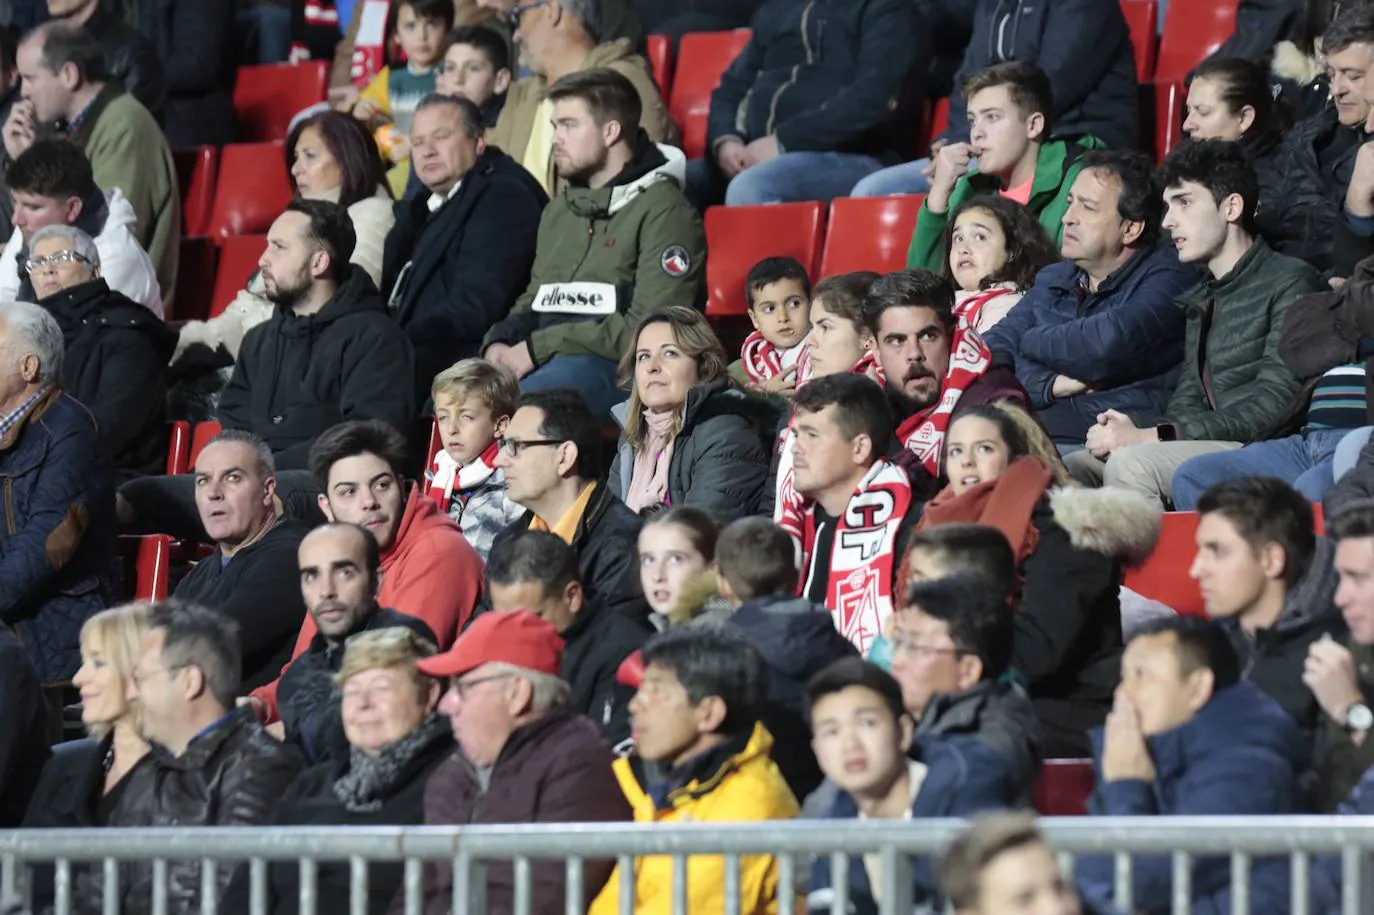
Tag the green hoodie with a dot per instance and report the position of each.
(1055, 169)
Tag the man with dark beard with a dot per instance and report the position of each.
(933, 366)
(618, 242)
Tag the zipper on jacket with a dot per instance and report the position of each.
(587, 251)
(9, 506)
(796, 69)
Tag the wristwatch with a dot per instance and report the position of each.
(1359, 718)
(1167, 432)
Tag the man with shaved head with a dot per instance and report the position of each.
(339, 568)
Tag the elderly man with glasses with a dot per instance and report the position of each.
(116, 350)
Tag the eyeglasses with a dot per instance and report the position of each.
(464, 687)
(141, 676)
(917, 649)
(33, 265)
(513, 446)
(521, 8)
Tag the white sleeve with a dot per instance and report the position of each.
(128, 269)
(9, 267)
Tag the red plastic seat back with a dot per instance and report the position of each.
(1064, 786)
(1192, 30)
(701, 59)
(196, 173)
(154, 567)
(238, 258)
(1162, 111)
(869, 233)
(659, 50)
(1164, 576)
(1142, 17)
(201, 437)
(178, 447)
(253, 189)
(739, 237)
(267, 97)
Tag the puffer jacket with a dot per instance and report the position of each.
(298, 376)
(1239, 755)
(1310, 205)
(824, 76)
(115, 363)
(1234, 327)
(587, 293)
(1125, 340)
(232, 774)
(594, 647)
(58, 536)
(1273, 658)
(735, 781)
(1083, 46)
(720, 455)
(1000, 714)
(554, 769)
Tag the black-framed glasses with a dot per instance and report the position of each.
(513, 446)
(521, 8)
(463, 687)
(34, 264)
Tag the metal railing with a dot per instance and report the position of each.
(471, 850)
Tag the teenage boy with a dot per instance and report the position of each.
(1271, 582)
(701, 755)
(473, 402)
(756, 573)
(389, 101)
(1008, 152)
(1234, 388)
(779, 295)
(865, 743)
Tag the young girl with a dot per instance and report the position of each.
(994, 248)
(1070, 544)
(676, 547)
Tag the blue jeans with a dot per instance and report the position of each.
(790, 177)
(1304, 461)
(591, 376)
(906, 178)
(1348, 451)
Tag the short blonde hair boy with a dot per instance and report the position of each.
(494, 385)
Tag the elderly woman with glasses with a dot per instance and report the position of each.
(115, 350)
(395, 740)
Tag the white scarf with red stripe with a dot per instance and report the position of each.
(762, 360)
(923, 432)
(450, 478)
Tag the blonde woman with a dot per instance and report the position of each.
(395, 739)
(691, 438)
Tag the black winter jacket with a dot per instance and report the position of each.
(594, 647)
(131, 59)
(797, 640)
(1273, 658)
(116, 364)
(311, 801)
(298, 376)
(235, 774)
(23, 729)
(1001, 715)
(260, 589)
(606, 543)
(1309, 206)
(194, 39)
(308, 699)
(1264, 149)
(825, 76)
(469, 261)
(1083, 46)
(721, 455)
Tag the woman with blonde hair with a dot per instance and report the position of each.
(691, 438)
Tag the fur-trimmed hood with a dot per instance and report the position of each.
(1114, 522)
(700, 600)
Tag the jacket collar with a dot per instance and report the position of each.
(651, 164)
(703, 773)
(31, 410)
(1052, 166)
(205, 745)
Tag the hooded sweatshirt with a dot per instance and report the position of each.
(110, 220)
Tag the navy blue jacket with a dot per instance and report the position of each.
(1083, 46)
(1326, 870)
(1125, 340)
(824, 76)
(57, 536)
(1239, 756)
(965, 776)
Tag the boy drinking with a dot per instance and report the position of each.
(779, 295)
(389, 101)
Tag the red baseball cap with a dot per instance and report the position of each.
(516, 637)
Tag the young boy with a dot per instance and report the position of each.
(757, 575)
(389, 101)
(473, 401)
(779, 295)
(1001, 864)
(1009, 109)
(701, 755)
(864, 741)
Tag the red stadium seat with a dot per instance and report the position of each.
(1164, 576)
(701, 58)
(253, 189)
(178, 447)
(154, 564)
(195, 280)
(435, 443)
(1162, 110)
(1193, 29)
(869, 233)
(1142, 18)
(266, 98)
(1318, 519)
(1063, 788)
(196, 170)
(238, 258)
(659, 50)
(200, 438)
(739, 237)
(939, 120)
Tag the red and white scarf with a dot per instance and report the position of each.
(762, 360)
(450, 479)
(863, 559)
(923, 432)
